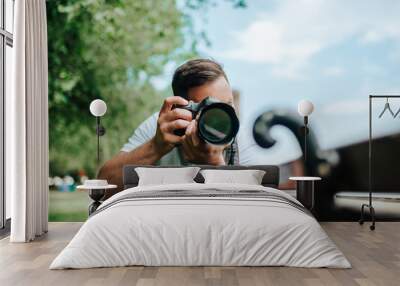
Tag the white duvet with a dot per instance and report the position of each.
(192, 231)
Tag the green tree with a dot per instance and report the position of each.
(111, 50)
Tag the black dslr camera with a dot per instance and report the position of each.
(217, 121)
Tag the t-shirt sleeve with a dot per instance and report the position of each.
(142, 134)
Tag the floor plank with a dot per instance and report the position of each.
(375, 257)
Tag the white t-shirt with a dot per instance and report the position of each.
(249, 152)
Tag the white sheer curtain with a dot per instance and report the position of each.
(27, 124)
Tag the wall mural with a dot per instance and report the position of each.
(258, 60)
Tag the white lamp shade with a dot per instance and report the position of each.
(305, 107)
(98, 107)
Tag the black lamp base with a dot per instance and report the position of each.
(305, 193)
(96, 195)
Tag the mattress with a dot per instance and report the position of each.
(201, 225)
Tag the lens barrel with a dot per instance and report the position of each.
(218, 123)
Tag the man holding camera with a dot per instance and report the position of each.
(155, 141)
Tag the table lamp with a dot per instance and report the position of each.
(305, 108)
(98, 108)
(97, 188)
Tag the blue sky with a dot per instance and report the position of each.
(334, 53)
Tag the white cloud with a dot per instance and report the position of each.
(290, 35)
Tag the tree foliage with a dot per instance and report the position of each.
(110, 49)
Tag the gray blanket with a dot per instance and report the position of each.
(204, 194)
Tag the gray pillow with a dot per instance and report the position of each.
(166, 176)
(248, 177)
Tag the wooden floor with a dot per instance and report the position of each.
(375, 257)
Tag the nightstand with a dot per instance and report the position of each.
(305, 190)
(96, 190)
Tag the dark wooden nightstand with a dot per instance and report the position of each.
(305, 190)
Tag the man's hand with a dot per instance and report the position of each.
(168, 121)
(196, 150)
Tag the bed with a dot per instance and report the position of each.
(199, 224)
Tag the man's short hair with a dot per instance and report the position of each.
(195, 73)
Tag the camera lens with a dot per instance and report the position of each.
(218, 124)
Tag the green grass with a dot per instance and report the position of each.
(68, 206)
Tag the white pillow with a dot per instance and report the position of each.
(248, 177)
(166, 176)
